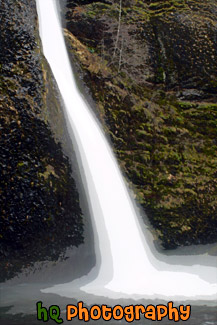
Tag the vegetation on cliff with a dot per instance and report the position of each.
(151, 67)
(39, 203)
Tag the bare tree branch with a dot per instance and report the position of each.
(119, 27)
(120, 58)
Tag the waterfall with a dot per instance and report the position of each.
(125, 263)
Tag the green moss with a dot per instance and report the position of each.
(166, 147)
(160, 75)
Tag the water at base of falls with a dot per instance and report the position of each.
(125, 264)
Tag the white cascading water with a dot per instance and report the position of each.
(125, 263)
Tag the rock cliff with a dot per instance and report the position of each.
(39, 202)
(151, 67)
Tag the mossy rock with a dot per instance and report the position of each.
(154, 86)
(39, 203)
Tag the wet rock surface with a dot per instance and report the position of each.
(151, 68)
(39, 203)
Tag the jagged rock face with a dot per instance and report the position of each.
(170, 42)
(40, 212)
(151, 67)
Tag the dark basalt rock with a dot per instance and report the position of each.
(39, 203)
(152, 69)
